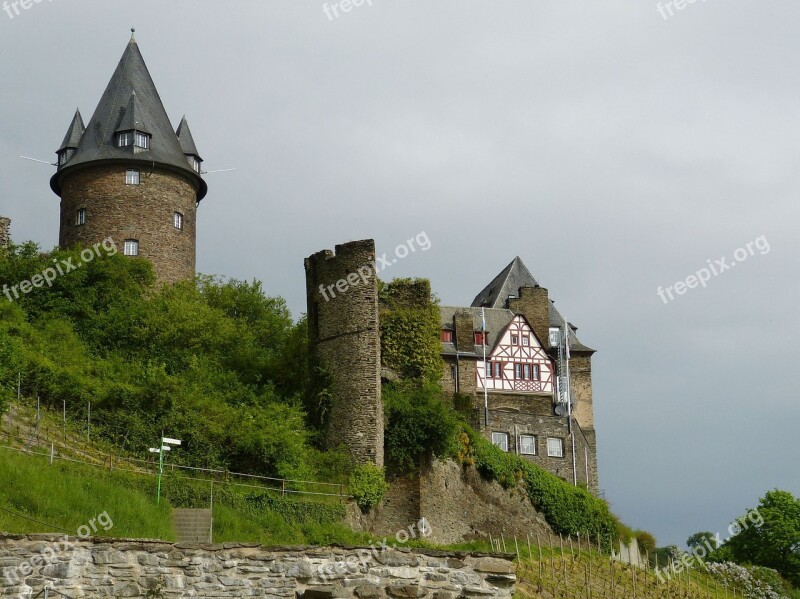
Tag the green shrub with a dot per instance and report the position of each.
(368, 486)
(567, 509)
(418, 424)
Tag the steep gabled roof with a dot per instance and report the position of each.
(185, 138)
(508, 282)
(130, 97)
(133, 117)
(74, 134)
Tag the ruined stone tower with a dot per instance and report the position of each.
(344, 333)
(129, 176)
(5, 231)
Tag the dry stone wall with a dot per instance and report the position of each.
(126, 568)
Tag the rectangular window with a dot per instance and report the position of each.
(498, 369)
(514, 339)
(526, 340)
(526, 372)
(555, 447)
(177, 220)
(480, 338)
(80, 217)
(142, 140)
(537, 372)
(488, 370)
(131, 247)
(518, 372)
(500, 440)
(447, 336)
(131, 177)
(555, 337)
(194, 162)
(527, 445)
(124, 139)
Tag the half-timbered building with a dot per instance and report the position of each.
(507, 352)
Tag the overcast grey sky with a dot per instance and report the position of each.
(614, 150)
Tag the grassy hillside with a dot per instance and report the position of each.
(570, 574)
(37, 496)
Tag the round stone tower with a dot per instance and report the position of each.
(130, 177)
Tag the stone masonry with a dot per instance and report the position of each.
(5, 231)
(143, 212)
(128, 568)
(342, 293)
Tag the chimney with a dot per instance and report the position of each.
(534, 304)
(465, 331)
(5, 231)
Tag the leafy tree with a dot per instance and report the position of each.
(701, 539)
(775, 543)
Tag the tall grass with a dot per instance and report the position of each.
(68, 496)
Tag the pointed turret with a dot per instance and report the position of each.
(131, 104)
(72, 139)
(128, 176)
(187, 144)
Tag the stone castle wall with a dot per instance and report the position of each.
(126, 568)
(457, 505)
(5, 231)
(143, 212)
(343, 328)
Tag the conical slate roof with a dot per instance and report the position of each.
(185, 138)
(74, 134)
(130, 97)
(508, 282)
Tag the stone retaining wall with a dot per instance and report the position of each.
(127, 568)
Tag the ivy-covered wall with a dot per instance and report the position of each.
(409, 317)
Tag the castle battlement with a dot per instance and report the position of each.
(344, 332)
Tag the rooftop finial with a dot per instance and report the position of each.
(133, 34)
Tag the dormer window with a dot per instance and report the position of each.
(193, 162)
(142, 140)
(447, 336)
(555, 337)
(480, 338)
(125, 139)
(64, 156)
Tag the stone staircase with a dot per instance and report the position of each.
(192, 526)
